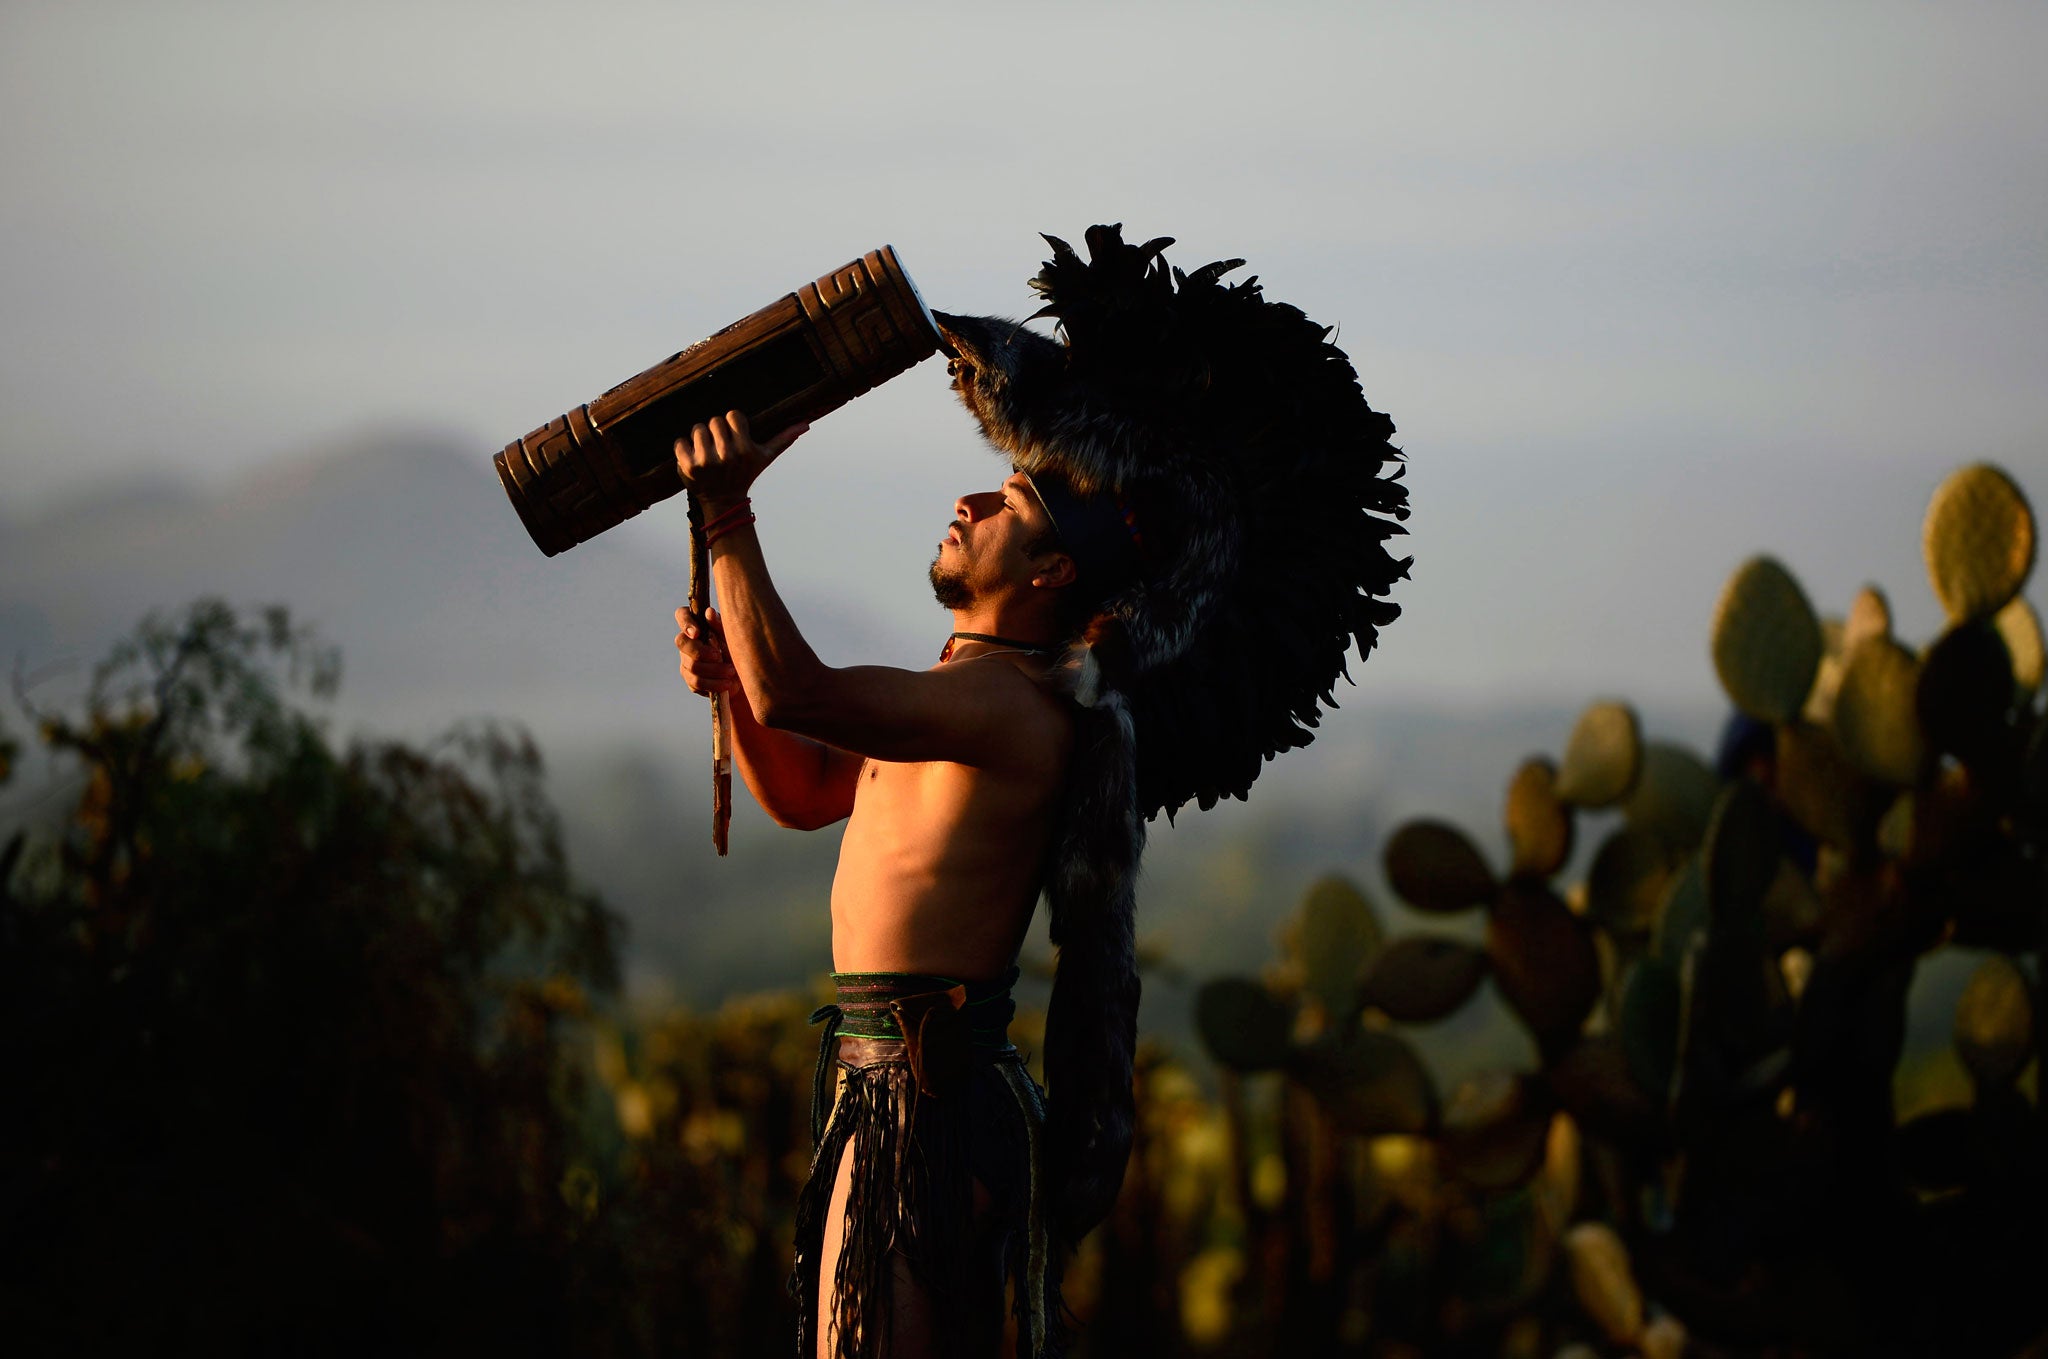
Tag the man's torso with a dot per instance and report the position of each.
(941, 863)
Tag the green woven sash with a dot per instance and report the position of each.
(864, 1004)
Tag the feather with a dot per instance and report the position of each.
(1266, 489)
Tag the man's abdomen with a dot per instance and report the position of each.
(938, 872)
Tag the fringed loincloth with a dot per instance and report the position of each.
(932, 1098)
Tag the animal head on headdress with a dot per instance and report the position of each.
(1234, 441)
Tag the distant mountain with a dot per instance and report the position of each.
(403, 550)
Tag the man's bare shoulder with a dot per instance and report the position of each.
(1036, 714)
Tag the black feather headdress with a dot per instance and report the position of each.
(1231, 438)
(1235, 435)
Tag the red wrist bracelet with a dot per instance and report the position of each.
(726, 524)
(730, 512)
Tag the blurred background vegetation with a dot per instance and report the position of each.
(1650, 287)
(320, 1047)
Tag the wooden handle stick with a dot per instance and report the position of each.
(721, 719)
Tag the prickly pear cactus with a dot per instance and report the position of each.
(1964, 695)
(1674, 795)
(1718, 1008)
(1433, 867)
(1337, 932)
(1544, 961)
(1994, 1030)
(2019, 627)
(1625, 887)
(1495, 1129)
(1539, 821)
(1244, 1025)
(1877, 722)
(1422, 977)
(1869, 618)
(1603, 757)
(1371, 1083)
(1604, 1282)
(1979, 541)
(1766, 642)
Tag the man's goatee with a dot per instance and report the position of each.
(950, 588)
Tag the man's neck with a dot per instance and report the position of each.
(1012, 628)
(983, 634)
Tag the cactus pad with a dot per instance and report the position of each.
(1626, 884)
(1593, 1084)
(1673, 797)
(1538, 820)
(2034, 780)
(1338, 931)
(1895, 829)
(1795, 965)
(1876, 719)
(1434, 867)
(1422, 977)
(1603, 757)
(1496, 1128)
(1791, 908)
(1766, 641)
(1995, 1022)
(1370, 1083)
(1815, 783)
(1244, 1026)
(2019, 627)
(1544, 961)
(1979, 541)
(1652, 1003)
(1740, 856)
(1964, 691)
(1869, 620)
(1603, 1282)
(1501, 1259)
(1683, 914)
(1827, 677)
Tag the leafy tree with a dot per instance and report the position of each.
(286, 1026)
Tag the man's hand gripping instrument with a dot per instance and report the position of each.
(802, 356)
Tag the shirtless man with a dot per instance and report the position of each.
(1194, 544)
(951, 778)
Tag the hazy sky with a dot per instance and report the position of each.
(1644, 289)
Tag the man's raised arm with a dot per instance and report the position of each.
(964, 714)
(801, 783)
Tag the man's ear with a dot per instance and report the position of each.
(1056, 572)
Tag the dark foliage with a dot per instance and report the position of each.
(284, 1025)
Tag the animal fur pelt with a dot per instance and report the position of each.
(1235, 440)
(1091, 1022)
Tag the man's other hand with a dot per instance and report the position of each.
(701, 642)
(719, 459)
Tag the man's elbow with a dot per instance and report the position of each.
(810, 820)
(782, 707)
(802, 814)
(771, 710)
(789, 820)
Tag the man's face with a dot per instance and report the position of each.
(984, 550)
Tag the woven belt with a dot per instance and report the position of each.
(939, 1025)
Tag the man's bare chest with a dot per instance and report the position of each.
(938, 797)
(887, 785)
